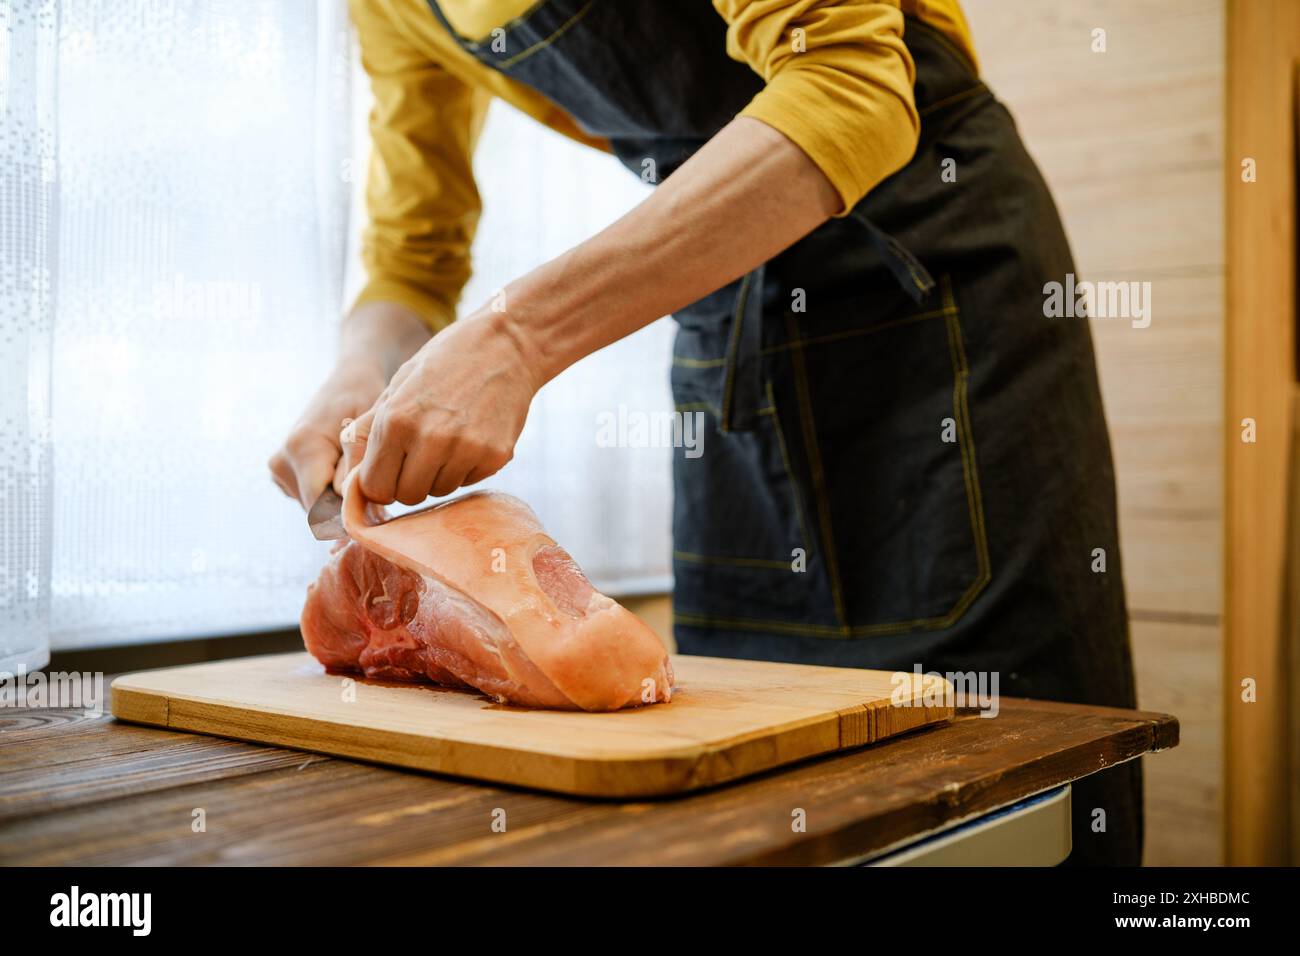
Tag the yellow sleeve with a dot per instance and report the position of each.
(421, 198)
(839, 83)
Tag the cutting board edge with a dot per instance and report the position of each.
(153, 705)
(688, 770)
(856, 726)
(674, 770)
(858, 721)
(652, 776)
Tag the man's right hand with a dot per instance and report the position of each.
(377, 338)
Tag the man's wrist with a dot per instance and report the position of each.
(385, 334)
(534, 312)
(519, 337)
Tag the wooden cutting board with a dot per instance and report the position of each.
(728, 719)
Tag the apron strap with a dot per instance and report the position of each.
(913, 277)
(742, 389)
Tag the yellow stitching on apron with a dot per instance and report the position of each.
(853, 333)
(697, 407)
(814, 630)
(698, 363)
(815, 466)
(784, 627)
(782, 565)
(821, 339)
(742, 562)
(917, 279)
(954, 98)
(730, 382)
(789, 472)
(509, 25)
(961, 412)
(543, 44)
(706, 407)
(974, 503)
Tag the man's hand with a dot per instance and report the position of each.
(311, 456)
(451, 415)
(376, 339)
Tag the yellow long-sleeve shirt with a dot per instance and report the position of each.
(843, 95)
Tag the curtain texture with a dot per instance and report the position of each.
(28, 53)
(178, 219)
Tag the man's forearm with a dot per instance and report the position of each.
(384, 333)
(745, 196)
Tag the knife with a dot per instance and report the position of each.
(325, 517)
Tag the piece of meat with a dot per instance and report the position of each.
(473, 593)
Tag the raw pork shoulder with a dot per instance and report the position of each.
(473, 592)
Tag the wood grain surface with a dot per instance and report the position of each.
(92, 790)
(728, 719)
(1136, 163)
(1263, 50)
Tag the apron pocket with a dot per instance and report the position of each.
(735, 498)
(734, 502)
(881, 416)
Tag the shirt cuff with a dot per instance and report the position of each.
(855, 144)
(431, 308)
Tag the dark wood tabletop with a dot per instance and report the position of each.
(91, 790)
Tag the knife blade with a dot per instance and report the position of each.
(325, 517)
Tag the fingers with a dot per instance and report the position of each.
(485, 470)
(397, 462)
(282, 474)
(340, 475)
(353, 439)
(401, 459)
(313, 461)
(469, 467)
(422, 477)
(310, 457)
(430, 467)
(420, 469)
(305, 464)
(390, 434)
(303, 467)
(450, 477)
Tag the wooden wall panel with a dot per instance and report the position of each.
(1131, 142)
(657, 611)
(1185, 804)
(1264, 51)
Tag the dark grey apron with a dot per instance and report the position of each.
(904, 462)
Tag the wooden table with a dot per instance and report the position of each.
(89, 790)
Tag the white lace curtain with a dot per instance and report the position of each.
(177, 226)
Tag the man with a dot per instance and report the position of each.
(906, 461)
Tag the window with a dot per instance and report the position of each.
(177, 228)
